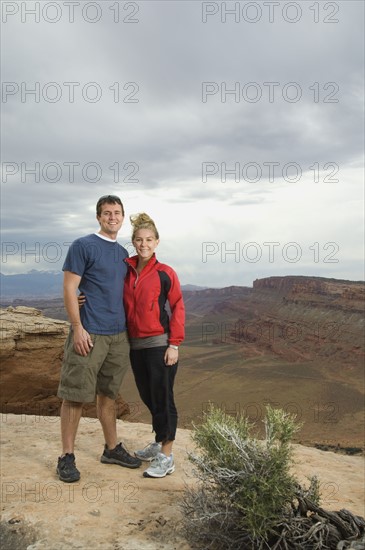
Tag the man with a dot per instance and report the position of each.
(96, 352)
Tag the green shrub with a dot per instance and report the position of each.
(246, 496)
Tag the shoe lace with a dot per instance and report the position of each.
(151, 446)
(69, 458)
(120, 447)
(159, 460)
(68, 463)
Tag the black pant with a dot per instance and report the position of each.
(155, 382)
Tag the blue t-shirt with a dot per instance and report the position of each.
(100, 264)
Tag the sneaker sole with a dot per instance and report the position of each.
(169, 471)
(67, 479)
(106, 460)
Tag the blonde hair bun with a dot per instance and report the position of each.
(143, 221)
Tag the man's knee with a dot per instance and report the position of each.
(71, 410)
(67, 403)
(105, 407)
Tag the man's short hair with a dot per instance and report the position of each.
(108, 199)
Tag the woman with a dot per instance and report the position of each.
(154, 340)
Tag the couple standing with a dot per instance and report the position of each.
(120, 293)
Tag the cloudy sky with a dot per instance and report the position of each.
(238, 126)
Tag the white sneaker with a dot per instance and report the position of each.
(149, 452)
(161, 466)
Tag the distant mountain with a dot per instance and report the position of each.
(296, 342)
(44, 284)
(192, 288)
(34, 284)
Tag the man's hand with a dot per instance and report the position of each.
(82, 341)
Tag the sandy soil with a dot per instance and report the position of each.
(114, 508)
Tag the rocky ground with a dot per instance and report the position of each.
(113, 508)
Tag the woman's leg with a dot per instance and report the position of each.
(163, 408)
(141, 376)
(155, 384)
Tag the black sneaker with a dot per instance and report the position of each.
(66, 468)
(120, 456)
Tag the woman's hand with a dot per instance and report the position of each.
(81, 300)
(171, 356)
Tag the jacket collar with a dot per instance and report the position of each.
(134, 260)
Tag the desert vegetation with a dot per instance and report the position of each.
(246, 496)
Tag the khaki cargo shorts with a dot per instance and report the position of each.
(100, 372)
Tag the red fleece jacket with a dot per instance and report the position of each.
(145, 296)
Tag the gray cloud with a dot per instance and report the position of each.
(152, 151)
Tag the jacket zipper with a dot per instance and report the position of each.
(134, 286)
(135, 282)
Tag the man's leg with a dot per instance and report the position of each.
(77, 386)
(70, 418)
(107, 416)
(113, 453)
(109, 380)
